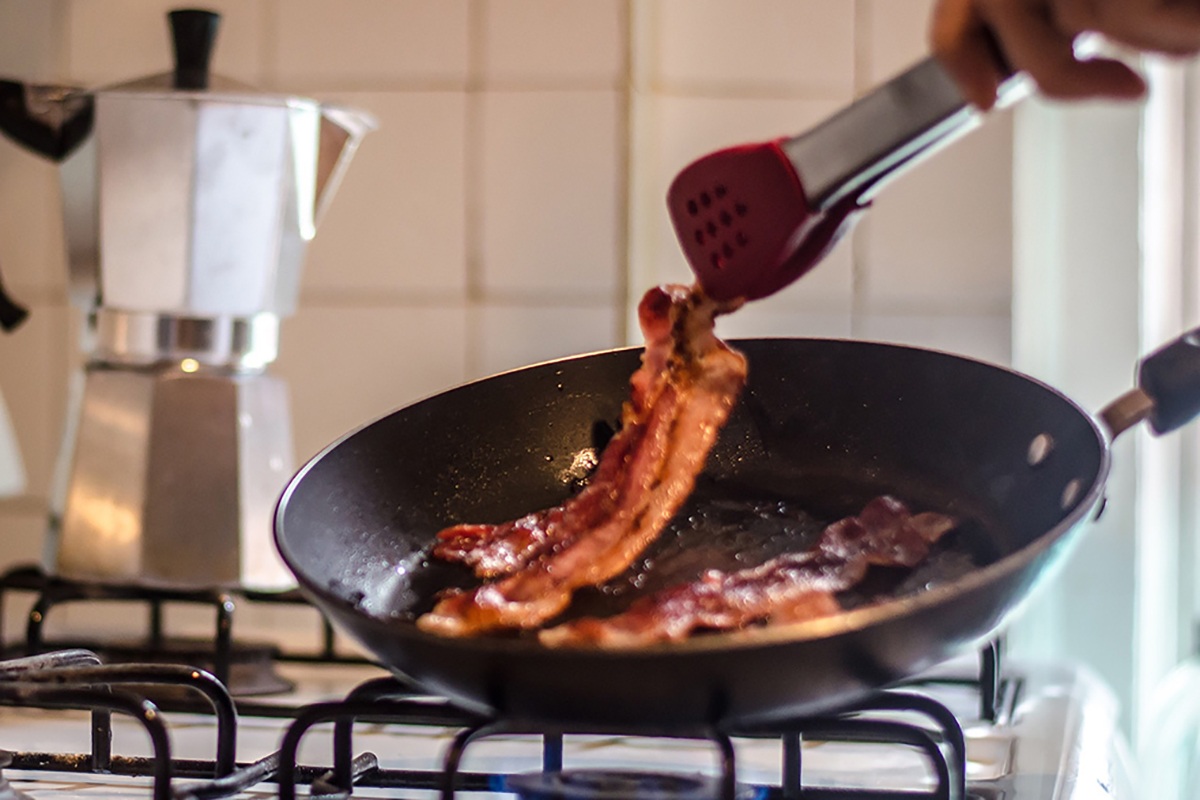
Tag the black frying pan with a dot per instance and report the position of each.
(822, 427)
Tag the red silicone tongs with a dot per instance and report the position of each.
(754, 218)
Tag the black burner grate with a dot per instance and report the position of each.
(246, 668)
(75, 679)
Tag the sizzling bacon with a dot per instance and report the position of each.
(494, 550)
(885, 533)
(680, 397)
(504, 548)
(788, 589)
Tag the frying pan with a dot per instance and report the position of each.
(822, 426)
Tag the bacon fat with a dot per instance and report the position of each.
(680, 396)
(791, 588)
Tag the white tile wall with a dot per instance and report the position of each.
(31, 244)
(511, 205)
(34, 362)
(317, 44)
(805, 45)
(549, 187)
(554, 42)
(982, 336)
(774, 316)
(30, 45)
(113, 41)
(22, 528)
(347, 365)
(22, 532)
(511, 336)
(896, 31)
(940, 238)
(398, 226)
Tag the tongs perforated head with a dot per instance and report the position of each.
(754, 218)
(726, 207)
(745, 223)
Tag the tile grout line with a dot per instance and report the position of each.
(863, 63)
(473, 144)
(405, 299)
(440, 84)
(42, 295)
(641, 260)
(63, 344)
(858, 266)
(745, 91)
(62, 25)
(697, 90)
(624, 175)
(269, 45)
(402, 299)
(21, 504)
(933, 310)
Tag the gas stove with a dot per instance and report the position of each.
(965, 729)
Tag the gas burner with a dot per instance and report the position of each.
(7, 792)
(600, 784)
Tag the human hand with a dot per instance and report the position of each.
(1037, 37)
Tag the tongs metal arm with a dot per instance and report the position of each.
(894, 126)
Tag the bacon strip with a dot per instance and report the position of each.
(504, 548)
(680, 397)
(495, 550)
(788, 589)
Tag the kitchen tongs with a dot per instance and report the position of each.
(752, 219)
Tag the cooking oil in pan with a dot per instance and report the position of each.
(735, 522)
(731, 525)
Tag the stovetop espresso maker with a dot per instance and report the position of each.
(188, 201)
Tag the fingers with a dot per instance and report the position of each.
(1035, 43)
(1036, 39)
(959, 40)
(1158, 27)
(1075, 16)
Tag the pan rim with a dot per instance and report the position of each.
(852, 621)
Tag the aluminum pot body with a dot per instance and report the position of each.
(168, 479)
(199, 204)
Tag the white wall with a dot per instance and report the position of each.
(931, 265)
(1076, 324)
(510, 206)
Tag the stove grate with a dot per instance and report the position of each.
(75, 679)
(387, 701)
(223, 650)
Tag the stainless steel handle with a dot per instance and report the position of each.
(910, 116)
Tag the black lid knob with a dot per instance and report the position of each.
(193, 33)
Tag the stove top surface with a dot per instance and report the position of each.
(1055, 736)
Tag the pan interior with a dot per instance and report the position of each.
(822, 428)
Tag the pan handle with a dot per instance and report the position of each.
(1168, 392)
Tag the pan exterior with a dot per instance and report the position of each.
(681, 687)
(926, 426)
